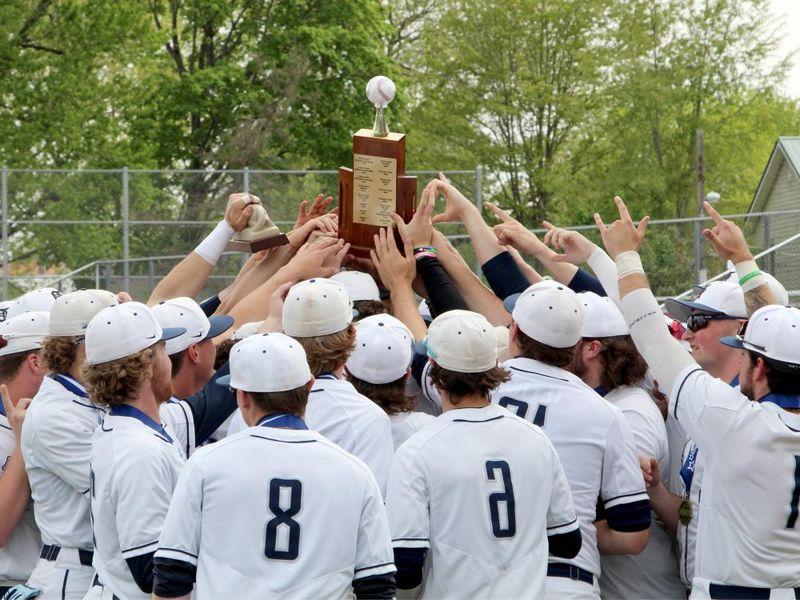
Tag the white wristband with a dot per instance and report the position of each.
(745, 268)
(628, 263)
(214, 244)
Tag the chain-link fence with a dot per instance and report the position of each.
(128, 228)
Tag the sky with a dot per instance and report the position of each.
(788, 12)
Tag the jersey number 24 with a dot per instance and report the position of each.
(283, 519)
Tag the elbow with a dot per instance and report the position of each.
(637, 542)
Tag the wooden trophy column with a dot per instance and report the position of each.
(374, 188)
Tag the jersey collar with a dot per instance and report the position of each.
(126, 410)
(782, 400)
(71, 384)
(735, 381)
(282, 421)
(601, 390)
(327, 376)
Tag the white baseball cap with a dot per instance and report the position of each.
(186, 313)
(72, 312)
(4, 306)
(773, 332)
(601, 317)
(501, 336)
(384, 349)
(123, 330)
(316, 306)
(462, 341)
(718, 298)
(246, 330)
(551, 314)
(267, 362)
(24, 332)
(509, 302)
(359, 285)
(41, 299)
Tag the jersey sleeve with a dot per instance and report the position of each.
(377, 449)
(64, 447)
(180, 536)
(622, 493)
(142, 490)
(374, 554)
(705, 406)
(561, 517)
(407, 500)
(178, 415)
(648, 429)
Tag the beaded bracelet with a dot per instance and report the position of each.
(424, 249)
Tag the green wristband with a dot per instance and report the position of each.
(748, 277)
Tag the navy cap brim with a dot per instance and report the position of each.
(511, 301)
(733, 341)
(681, 309)
(219, 325)
(167, 333)
(224, 380)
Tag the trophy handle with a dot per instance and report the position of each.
(406, 196)
(345, 203)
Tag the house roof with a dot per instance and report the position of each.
(786, 150)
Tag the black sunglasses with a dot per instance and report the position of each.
(697, 322)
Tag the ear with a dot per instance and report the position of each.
(193, 354)
(591, 349)
(242, 400)
(759, 369)
(513, 332)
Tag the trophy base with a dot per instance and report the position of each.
(258, 245)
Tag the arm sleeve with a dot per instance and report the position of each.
(624, 499)
(141, 567)
(647, 427)
(565, 545)
(605, 269)
(180, 536)
(211, 406)
(407, 500)
(173, 578)
(143, 488)
(585, 282)
(375, 587)
(373, 546)
(443, 295)
(210, 305)
(504, 275)
(409, 562)
(705, 406)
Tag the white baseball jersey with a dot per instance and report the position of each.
(134, 469)
(272, 512)
(654, 572)
(178, 415)
(21, 551)
(747, 531)
(352, 421)
(406, 424)
(592, 439)
(57, 446)
(481, 489)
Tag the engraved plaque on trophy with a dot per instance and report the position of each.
(377, 185)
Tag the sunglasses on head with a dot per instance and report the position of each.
(697, 322)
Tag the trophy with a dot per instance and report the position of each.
(377, 185)
(260, 233)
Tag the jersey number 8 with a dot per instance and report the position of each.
(283, 518)
(506, 497)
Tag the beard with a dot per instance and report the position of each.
(162, 387)
(578, 366)
(747, 389)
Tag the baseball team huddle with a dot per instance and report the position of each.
(333, 426)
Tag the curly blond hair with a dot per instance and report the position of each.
(118, 381)
(59, 353)
(326, 353)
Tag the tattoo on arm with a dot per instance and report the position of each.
(758, 297)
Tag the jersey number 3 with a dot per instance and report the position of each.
(505, 497)
(283, 520)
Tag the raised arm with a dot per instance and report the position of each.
(15, 491)
(190, 275)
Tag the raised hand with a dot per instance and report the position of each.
(726, 237)
(651, 471)
(326, 226)
(239, 209)
(395, 268)
(274, 320)
(456, 204)
(419, 230)
(511, 232)
(622, 235)
(577, 249)
(318, 208)
(321, 258)
(15, 413)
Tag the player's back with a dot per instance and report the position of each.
(490, 480)
(593, 441)
(283, 513)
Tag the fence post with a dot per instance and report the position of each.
(126, 231)
(96, 275)
(769, 262)
(246, 180)
(151, 275)
(479, 204)
(4, 193)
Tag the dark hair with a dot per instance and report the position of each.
(391, 397)
(367, 308)
(59, 353)
(177, 361)
(622, 363)
(556, 357)
(292, 401)
(459, 385)
(779, 381)
(11, 364)
(119, 381)
(223, 353)
(326, 353)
